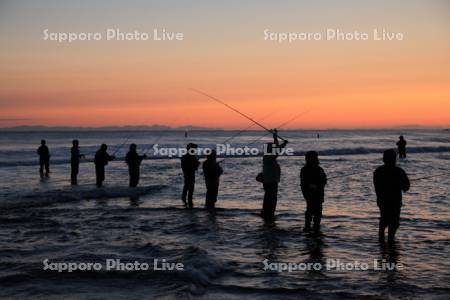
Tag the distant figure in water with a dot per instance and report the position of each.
(212, 171)
(312, 181)
(101, 160)
(389, 181)
(75, 157)
(189, 165)
(44, 159)
(401, 146)
(134, 161)
(185, 133)
(318, 136)
(271, 177)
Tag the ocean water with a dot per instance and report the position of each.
(223, 252)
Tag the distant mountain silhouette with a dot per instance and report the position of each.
(155, 127)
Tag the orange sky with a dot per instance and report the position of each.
(344, 84)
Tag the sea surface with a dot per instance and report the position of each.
(224, 252)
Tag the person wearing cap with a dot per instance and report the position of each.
(189, 165)
(312, 182)
(389, 181)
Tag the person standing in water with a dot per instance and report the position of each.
(101, 160)
(212, 171)
(271, 177)
(44, 159)
(189, 165)
(312, 181)
(401, 146)
(75, 157)
(134, 161)
(389, 181)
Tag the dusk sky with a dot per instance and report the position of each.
(344, 84)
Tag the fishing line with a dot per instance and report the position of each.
(280, 126)
(235, 110)
(430, 176)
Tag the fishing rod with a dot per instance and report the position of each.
(430, 176)
(237, 111)
(121, 145)
(280, 126)
(146, 149)
(350, 174)
(245, 129)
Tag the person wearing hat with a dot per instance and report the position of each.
(312, 182)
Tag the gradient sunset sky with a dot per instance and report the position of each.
(344, 84)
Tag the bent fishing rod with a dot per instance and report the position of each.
(247, 128)
(235, 110)
(280, 126)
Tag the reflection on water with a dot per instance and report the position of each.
(223, 250)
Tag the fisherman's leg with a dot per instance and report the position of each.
(41, 168)
(74, 173)
(266, 200)
(394, 223)
(213, 190)
(267, 210)
(271, 200)
(47, 167)
(134, 178)
(133, 181)
(209, 203)
(317, 214)
(308, 215)
(185, 190)
(99, 175)
(191, 187)
(382, 225)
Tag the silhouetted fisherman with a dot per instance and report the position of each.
(401, 146)
(75, 157)
(189, 165)
(212, 171)
(44, 159)
(389, 181)
(134, 161)
(101, 160)
(313, 180)
(271, 177)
